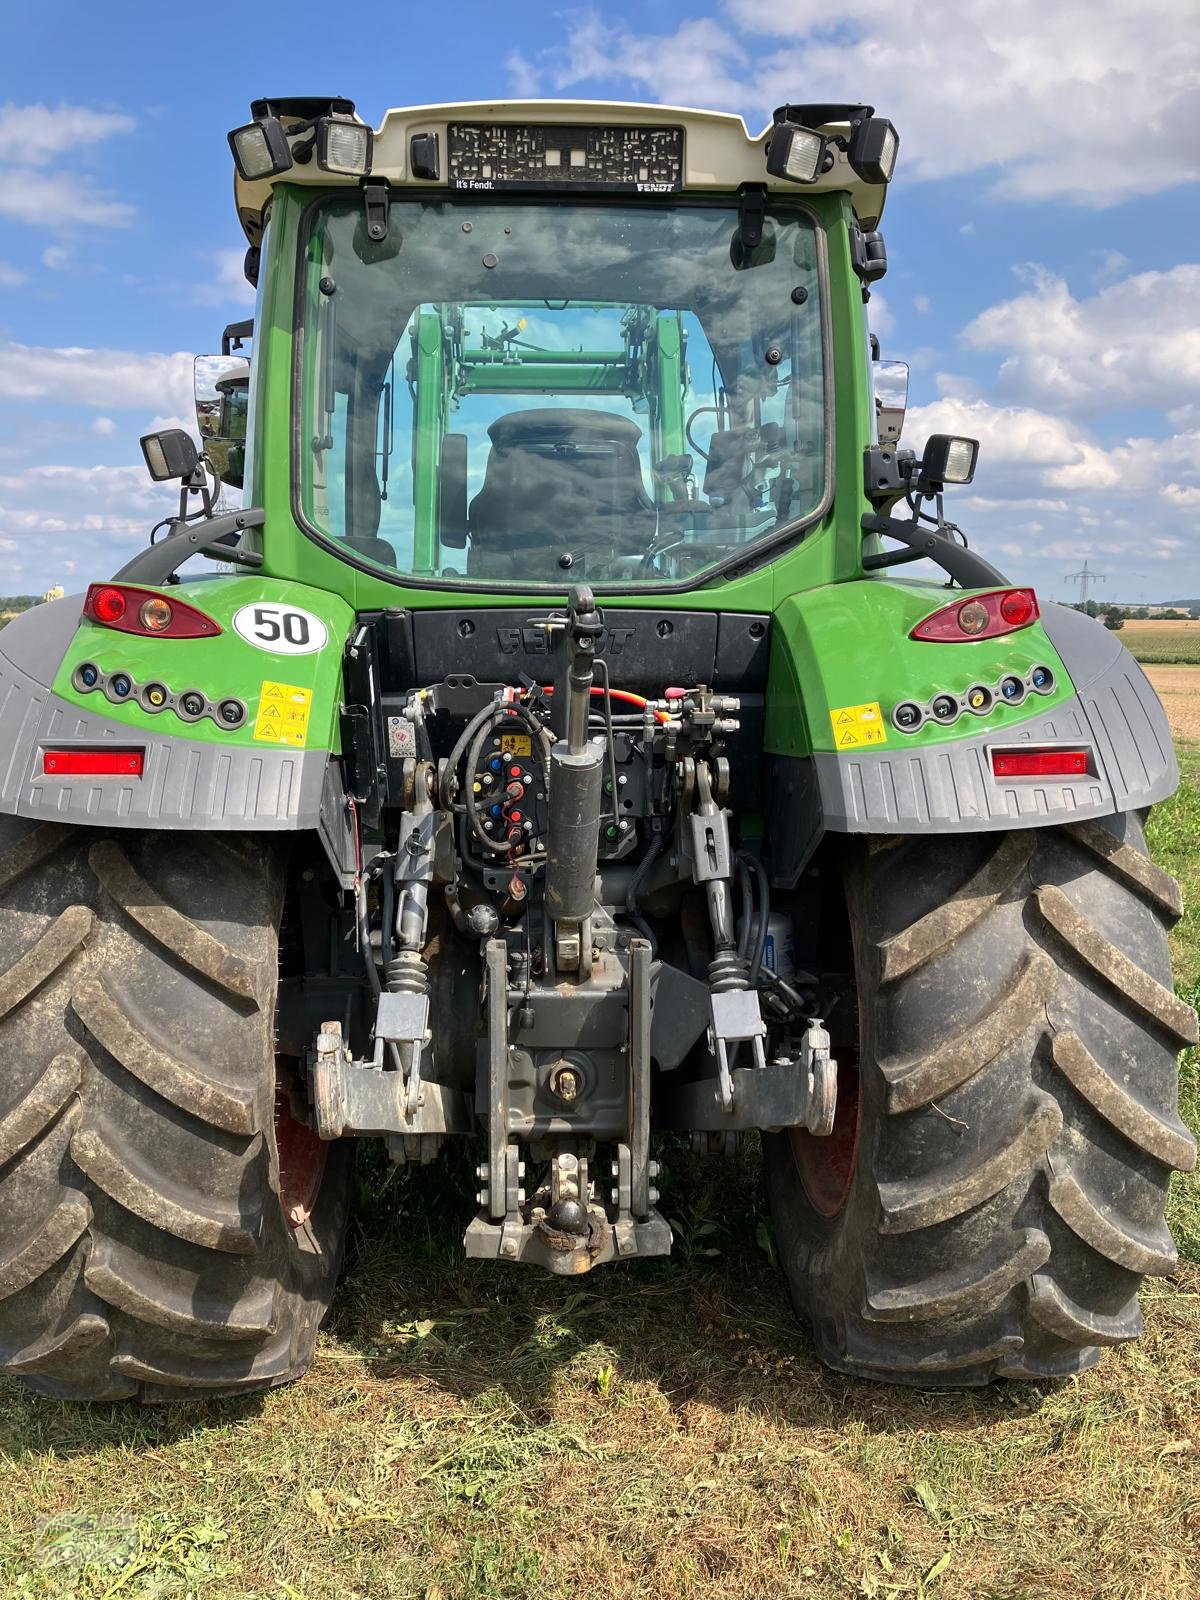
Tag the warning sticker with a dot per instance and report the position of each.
(283, 713)
(516, 744)
(856, 726)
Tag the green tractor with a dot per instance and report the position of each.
(555, 752)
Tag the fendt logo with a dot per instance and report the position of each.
(535, 641)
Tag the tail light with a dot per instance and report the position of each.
(1039, 763)
(147, 612)
(99, 762)
(981, 616)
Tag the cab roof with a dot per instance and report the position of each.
(719, 152)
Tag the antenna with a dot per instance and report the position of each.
(1085, 578)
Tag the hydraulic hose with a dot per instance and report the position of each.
(632, 910)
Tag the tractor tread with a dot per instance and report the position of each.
(973, 1286)
(1108, 962)
(178, 934)
(157, 1362)
(224, 1105)
(45, 1244)
(1151, 1254)
(43, 959)
(177, 1299)
(144, 1252)
(1164, 1136)
(28, 1118)
(917, 944)
(936, 1354)
(80, 1338)
(30, 850)
(123, 1174)
(913, 1083)
(1060, 1314)
(951, 1190)
(1132, 867)
(1018, 1088)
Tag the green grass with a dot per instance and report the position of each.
(475, 1433)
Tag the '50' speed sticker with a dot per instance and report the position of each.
(283, 630)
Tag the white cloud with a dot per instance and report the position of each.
(228, 286)
(34, 135)
(106, 379)
(104, 426)
(56, 520)
(879, 315)
(1136, 342)
(59, 201)
(1037, 450)
(921, 304)
(1090, 103)
(33, 191)
(11, 277)
(55, 257)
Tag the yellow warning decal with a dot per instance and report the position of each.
(856, 726)
(516, 744)
(283, 713)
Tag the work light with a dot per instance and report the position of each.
(795, 153)
(874, 145)
(947, 458)
(169, 454)
(260, 149)
(343, 146)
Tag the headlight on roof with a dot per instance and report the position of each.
(343, 147)
(874, 146)
(260, 149)
(795, 153)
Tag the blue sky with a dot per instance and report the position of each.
(1043, 232)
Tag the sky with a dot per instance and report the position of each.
(1043, 233)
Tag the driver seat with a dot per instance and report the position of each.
(561, 480)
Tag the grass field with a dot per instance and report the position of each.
(661, 1430)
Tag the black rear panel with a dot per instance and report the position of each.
(647, 650)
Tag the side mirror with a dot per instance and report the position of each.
(452, 491)
(222, 401)
(891, 399)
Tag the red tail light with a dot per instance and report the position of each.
(1039, 763)
(147, 612)
(95, 763)
(980, 616)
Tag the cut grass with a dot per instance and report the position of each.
(662, 1429)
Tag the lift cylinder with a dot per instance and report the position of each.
(576, 777)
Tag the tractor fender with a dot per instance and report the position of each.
(1109, 708)
(196, 781)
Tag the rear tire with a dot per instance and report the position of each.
(144, 1248)
(1017, 1129)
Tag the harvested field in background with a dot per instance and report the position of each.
(1179, 690)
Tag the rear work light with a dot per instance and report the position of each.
(983, 616)
(1039, 763)
(101, 762)
(146, 612)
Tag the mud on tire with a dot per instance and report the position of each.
(1018, 1124)
(143, 1247)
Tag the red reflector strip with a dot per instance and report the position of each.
(93, 763)
(1039, 763)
